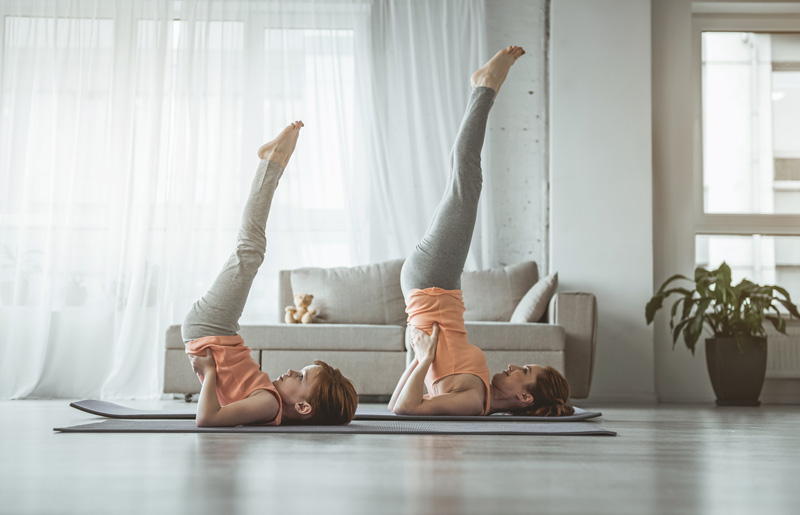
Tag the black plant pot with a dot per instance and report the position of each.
(737, 377)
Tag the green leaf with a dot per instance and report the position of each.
(745, 286)
(689, 339)
(674, 277)
(688, 302)
(674, 311)
(656, 302)
(724, 274)
(693, 331)
(682, 291)
(778, 322)
(712, 319)
(789, 306)
(702, 279)
(677, 331)
(702, 307)
(652, 306)
(782, 292)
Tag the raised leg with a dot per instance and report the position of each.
(439, 257)
(217, 312)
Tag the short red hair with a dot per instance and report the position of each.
(333, 398)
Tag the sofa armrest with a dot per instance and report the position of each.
(577, 313)
(285, 294)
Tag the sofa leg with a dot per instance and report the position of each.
(188, 397)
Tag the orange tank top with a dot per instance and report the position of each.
(454, 354)
(238, 374)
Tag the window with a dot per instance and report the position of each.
(751, 122)
(747, 187)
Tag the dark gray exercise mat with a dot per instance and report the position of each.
(355, 427)
(385, 414)
(111, 410)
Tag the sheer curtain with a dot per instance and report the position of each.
(128, 138)
(422, 55)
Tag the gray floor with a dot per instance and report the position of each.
(666, 459)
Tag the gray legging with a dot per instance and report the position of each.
(217, 312)
(438, 259)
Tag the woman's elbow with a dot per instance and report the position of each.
(401, 410)
(204, 422)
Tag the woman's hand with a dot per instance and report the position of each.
(424, 345)
(203, 365)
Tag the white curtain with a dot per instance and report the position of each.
(422, 54)
(128, 138)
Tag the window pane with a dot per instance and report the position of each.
(751, 123)
(773, 260)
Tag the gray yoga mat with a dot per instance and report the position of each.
(385, 414)
(355, 427)
(111, 410)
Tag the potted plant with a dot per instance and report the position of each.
(736, 355)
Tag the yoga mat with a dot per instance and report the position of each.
(355, 427)
(385, 414)
(111, 410)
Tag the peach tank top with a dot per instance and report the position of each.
(454, 354)
(238, 375)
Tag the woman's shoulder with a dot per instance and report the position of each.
(466, 383)
(270, 402)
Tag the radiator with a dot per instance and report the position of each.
(783, 352)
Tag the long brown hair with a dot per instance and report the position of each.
(550, 394)
(334, 399)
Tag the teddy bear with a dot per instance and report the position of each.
(301, 313)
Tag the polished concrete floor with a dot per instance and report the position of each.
(666, 459)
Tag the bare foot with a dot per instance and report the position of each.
(280, 149)
(493, 73)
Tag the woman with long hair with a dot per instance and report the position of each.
(454, 371)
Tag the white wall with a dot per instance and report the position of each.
(601, 180)
(517, 134)
(679, 375)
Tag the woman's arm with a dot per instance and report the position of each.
(408, 394)
(401, 383)
(410, 400)
(261, 408)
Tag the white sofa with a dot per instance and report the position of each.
(361, 328)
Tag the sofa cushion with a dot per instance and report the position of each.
(339, 337)
(492, 295)
(533, 305)
(372, 373)
(506, 336)
(368, 294)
